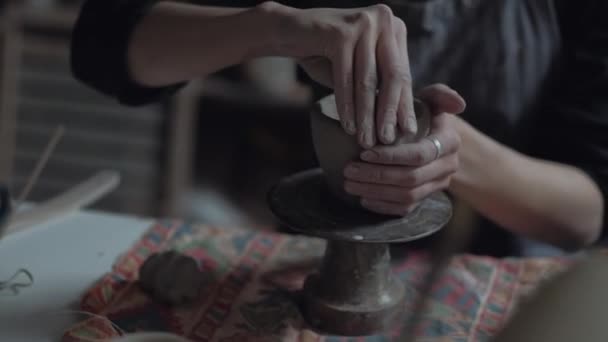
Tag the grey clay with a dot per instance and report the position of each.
(335, 148)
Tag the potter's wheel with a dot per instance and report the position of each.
(354, 292)
(303, 202)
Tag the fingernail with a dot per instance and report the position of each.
(388, 133)
(412, 125)
(352, 170)
(369, 156)
(366, 139)
(349, 127)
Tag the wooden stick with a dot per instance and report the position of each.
(33, 179)
(71, 200)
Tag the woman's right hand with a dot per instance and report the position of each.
(362, 54)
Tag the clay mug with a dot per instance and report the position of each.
(335, 149)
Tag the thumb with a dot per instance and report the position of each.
(442, 99)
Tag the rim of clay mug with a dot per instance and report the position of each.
(327, 106)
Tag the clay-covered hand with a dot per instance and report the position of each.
(362, 54)
(393, 179)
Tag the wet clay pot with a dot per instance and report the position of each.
(335, 148)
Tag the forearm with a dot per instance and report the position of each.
(542, 200)
(178, 42)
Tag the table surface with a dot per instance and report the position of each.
(65, 257)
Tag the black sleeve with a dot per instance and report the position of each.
(98, 49)
(100, 39)
(99, 43)
(574, 126)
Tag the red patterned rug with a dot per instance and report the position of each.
(251, 274)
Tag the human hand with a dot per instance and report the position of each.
(393, 179)
(362, 54)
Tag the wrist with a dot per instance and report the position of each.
(480, 160)
(462, 177)
(270, 20)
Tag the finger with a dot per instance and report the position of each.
(387, 208)
(405, 113)
(343, 85)
(404, 207)
(366, 80)
(378, 192)
(393, 75)
(442, 99)
(414, 154)
(404, 196)
(399, 175)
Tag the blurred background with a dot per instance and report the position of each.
(210, 153)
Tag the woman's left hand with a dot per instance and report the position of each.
(393, 179)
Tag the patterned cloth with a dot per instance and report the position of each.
(252, 274)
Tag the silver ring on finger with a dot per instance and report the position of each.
(438, 146)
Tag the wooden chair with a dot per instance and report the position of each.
(149, 146)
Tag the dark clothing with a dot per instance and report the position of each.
(534, 73)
